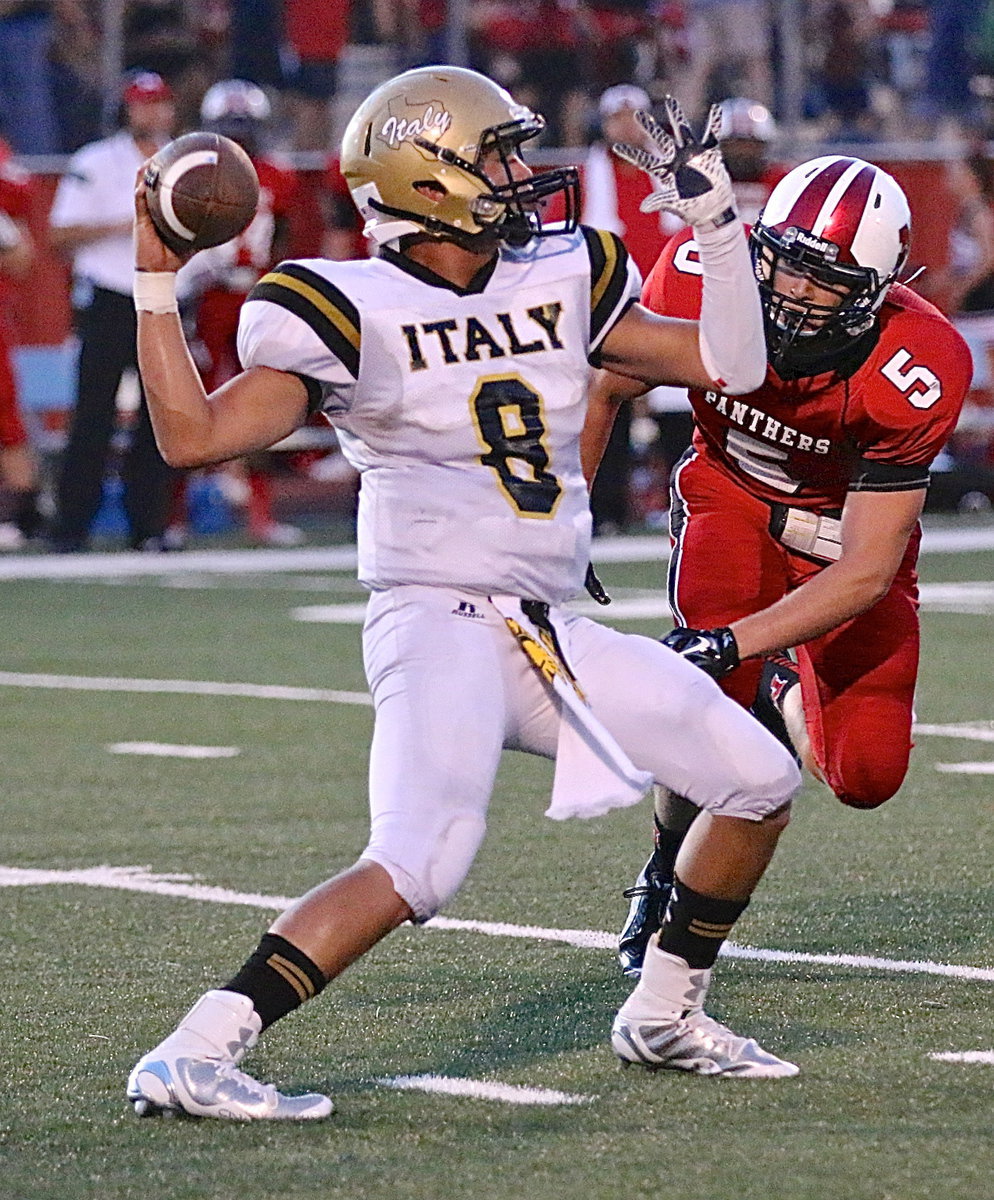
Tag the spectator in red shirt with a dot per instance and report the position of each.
(316, 33)
(538, 49)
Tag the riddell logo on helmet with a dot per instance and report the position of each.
(397, 130)
(793, 236)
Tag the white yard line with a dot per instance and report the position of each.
(166, 750)
(976, 599)
(353, 613)
(957, 541)
(181, 687)
(976, 731)
(650, 548)
(966, 1056)
(205, 562)
(966, 768)
(480, 1089)
(968, 731)
(141, 879)
(973, 597)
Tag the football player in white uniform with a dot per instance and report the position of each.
(454, 366)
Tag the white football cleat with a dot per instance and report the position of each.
(195, 1069)
(693, 1041)
(11, 537)
(663, 1024)
(277, 534)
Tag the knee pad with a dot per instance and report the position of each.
(750, 774)
(863, 780)
(872, 796)
(756, 800)
(427, 867)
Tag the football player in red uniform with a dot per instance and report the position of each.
(794, 514)
(18, 467)
(240, 110)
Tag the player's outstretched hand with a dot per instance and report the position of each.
(151, 252)
(688, 172)
(713, 650)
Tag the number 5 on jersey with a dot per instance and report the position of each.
(507, 414)
(908, 381)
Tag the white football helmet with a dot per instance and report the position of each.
(845, 224)
(234, 98)
(237, 109)
(747, 119)
(412, 156)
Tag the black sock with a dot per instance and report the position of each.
(666, 849)
(277, 978)
(695, 926)
(26, 514)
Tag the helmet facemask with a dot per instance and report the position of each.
(801, 331)
(511, 211)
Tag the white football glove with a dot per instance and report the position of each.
(688, 172)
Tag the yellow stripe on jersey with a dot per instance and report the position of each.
(608, 276)
(609, 263)
(321, 305)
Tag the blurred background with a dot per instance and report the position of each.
(908, 84)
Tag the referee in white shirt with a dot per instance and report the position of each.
(91, 219)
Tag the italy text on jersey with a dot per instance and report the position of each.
(461, 409)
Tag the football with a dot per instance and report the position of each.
(202, 190)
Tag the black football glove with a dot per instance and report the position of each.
(713, 650)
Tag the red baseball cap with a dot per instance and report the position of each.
(146, 87)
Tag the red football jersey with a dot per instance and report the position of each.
(808, 442)
(15, 186)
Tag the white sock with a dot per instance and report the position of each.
(668, 986)
(221, 1024)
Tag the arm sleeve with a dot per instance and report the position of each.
(732, 342)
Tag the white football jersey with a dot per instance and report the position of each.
(461, 408)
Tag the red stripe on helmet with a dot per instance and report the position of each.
(808, 204)
(843, 222)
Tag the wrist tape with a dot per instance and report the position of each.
(155, 291)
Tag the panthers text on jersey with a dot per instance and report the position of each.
(809, 441)
(461, 408)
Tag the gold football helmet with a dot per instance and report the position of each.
(412, 156)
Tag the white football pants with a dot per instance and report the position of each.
(452, 689)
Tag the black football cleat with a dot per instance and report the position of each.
(649, 896)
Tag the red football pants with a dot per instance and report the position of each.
(12, 431)
(857, 681)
